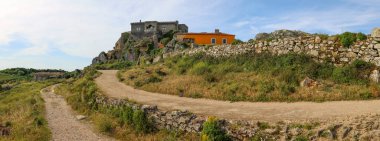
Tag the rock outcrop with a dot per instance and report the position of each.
(376, 34)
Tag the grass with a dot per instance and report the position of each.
(22, 109)
(113, 65)
(259, 77)
(6, 78)
(212, 131)
(121, 122)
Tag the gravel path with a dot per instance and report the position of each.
(62, 121)
(272, 111)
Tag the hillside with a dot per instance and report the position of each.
(283, 65)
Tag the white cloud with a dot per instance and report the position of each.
(329, 21)
(84, 28)
(34, 50)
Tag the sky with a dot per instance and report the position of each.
(67, 34)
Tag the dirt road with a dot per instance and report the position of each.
(62, 121)
(273, 111)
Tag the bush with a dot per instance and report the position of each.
(153, 79)
(212, 131)
(200, 68)
(127, 115)
(287, 89)
(39, 121)
(113, 65)
(322, 36)
(361, 36)
(140, 121)
(263, 125)
(266, 87)
(210, 78)
(347, 39)
(104, 124)
(237, 41)
(356, 72)
(301, 138)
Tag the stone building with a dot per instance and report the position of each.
(140, 29)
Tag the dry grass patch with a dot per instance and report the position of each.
(254, 78)
(22, 110)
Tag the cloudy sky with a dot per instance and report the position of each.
(67, 34)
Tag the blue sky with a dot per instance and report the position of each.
(67, 34)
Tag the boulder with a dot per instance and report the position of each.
(374, 76)
(102, 57)
(307, 82)
(318, 40)
(80, 117)
(376, 34)
(157, 59)
(314, 53)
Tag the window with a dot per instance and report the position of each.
(213, 41)
(224, 41)
(138, 29)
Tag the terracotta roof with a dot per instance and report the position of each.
(205, 33)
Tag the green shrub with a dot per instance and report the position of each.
(361, 36)
(237, 41)
(210, 78)
(104, 124)
(347, 39)
(212, 131)
(301, 138)
(113, 65)
(165, 41)
(287, 89)
(140, 121)
(356, 72)
(39, 121)
(127, 115)
(196, 95)
(366, 95)
(266, 87)
(289, 77)
(153, 79)
(263, 125)
(200, 68)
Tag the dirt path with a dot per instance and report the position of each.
(63, 123)
(274, 111)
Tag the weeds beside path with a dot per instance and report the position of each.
(271, 111)
(62, 122)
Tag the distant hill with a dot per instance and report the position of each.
(11, 74)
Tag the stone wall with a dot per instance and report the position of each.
(360, 128)
(320, 49)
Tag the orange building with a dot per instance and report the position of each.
(216, 38)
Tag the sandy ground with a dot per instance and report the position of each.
(62, 122)
(272, 111)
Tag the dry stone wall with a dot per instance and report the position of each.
(320, 49)
(353, 128)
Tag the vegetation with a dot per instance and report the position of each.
(117, 64)
(22, 110)
(237, 41)
(122, 122)
(259, 77)
(348, 38)
(212, 131)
